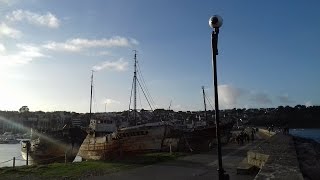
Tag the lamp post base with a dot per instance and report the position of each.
(222, 175)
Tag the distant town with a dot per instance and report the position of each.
(298, 116)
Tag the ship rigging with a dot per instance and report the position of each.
(138, 73)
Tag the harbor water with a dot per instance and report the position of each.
(306, 133)
(8, 151)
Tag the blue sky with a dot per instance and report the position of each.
(268, 53)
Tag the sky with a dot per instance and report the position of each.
(268, 53)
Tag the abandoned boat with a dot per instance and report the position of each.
(202, 139)
(53, 146)
(150, 137)
(109, 138)
(201, 135)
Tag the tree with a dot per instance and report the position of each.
(24, 109)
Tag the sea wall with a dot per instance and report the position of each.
(308, 152)
(276, 158)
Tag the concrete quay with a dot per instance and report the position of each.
(276, 158)
(274, 154)
(194, 167)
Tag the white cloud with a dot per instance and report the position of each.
(67, 46)
(308, 103)
(134, 41)
(8, 2)
(2, 48)
(78, 44)
(29, 51)
(118, 65)
(48, 19)
(234, 97)
(25, 55)
(104, 53)
(177, 107)
(6, 31)
(110, 102)
(229, 95)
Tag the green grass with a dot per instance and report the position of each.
(60, 170)
(86, 168)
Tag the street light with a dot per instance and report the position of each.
(215, 22)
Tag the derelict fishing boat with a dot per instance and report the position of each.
(107, 139)
(53, 146)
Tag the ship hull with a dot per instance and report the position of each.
(127, 141)
(99, 146)
(52, 153)
(202, 139)
(53, 147)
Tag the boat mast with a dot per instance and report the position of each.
(204, 102)
(91, 93)
(135, 88)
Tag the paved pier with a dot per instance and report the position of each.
(194, 167)
(276, 157)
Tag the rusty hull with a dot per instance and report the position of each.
(53, 146)
(125, 141)
(47, 152)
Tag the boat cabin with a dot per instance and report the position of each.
(106, 125)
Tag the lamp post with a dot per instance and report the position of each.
(215, 22)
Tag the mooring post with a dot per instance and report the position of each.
(28, 146)
(65, 157)
(14, 162)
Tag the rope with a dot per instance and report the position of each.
(145, 85)
(209, 102)
(6, 161)
(10, 160)
(139, 99)
(145, 88)
(43, 160)
(191, 150)
(94, 102)
(131, 94)
(20, 160)
(144, 94)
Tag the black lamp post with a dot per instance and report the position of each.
(215, 23)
